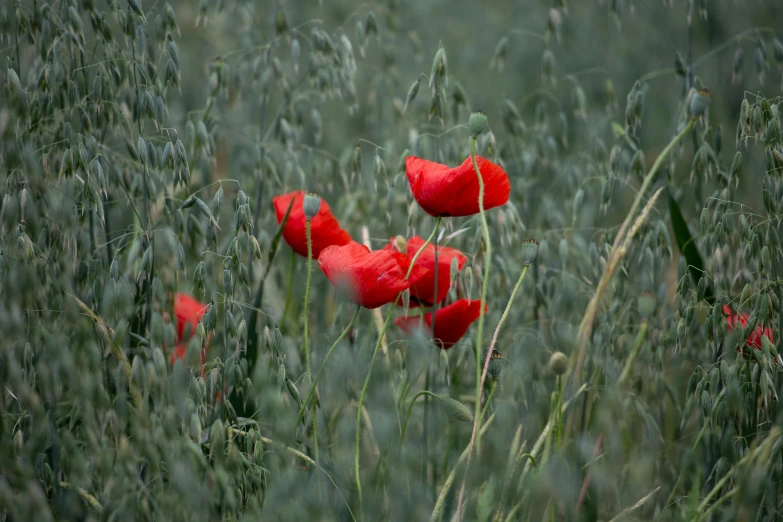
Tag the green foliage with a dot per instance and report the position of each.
(141, 144)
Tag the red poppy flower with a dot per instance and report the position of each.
(324, 229)
(444, 191)
(754, 341)
(188, 312)
(371, 279)
(423, 292)
(451, 322)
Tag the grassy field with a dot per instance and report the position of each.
(397, 260)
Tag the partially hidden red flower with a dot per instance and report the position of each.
(451, 322)
(423, 292)
(754, 340)
(371, 279)
(188, 311)
(444, 191)
(324, 229)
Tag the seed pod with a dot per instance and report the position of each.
(558, 363)
(293, 391)
(530, 249)
(455, 410)
(413, 90)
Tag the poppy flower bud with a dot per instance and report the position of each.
(558, 363)
(456, 410)
(700, 101)
(646, 304)
(477, 124)
(495, 364)
(312, 204)
(529, 251)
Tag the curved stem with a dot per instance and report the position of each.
(489, 399)
(586, 327)
(636, 348)
(484, 284)
(289, 285)
(372, 363)
(410, 409)
(305, 316)
(311, 391)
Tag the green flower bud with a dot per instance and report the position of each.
(529, 251)
(477, 124)
(558, 363)
(456, 410)
(700, 101)
(646, 304)
(312, 204)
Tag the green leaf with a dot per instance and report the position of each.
(687, 247)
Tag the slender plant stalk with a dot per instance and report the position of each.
(306, 319)
(444, 490)
(311, 391)
(474, 439)
(586, 327)
(636, 348)
(410, 409)
(372, 363)
(289, 286)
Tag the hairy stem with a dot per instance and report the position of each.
(372, 363)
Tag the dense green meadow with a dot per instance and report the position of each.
(440, 260)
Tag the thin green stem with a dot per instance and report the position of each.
(410, 409)
(289, 286)
(311, 391)
(484, 284)
(381, 334)
(636, 348)
(489, 400)
(306, 319)
(586, 327)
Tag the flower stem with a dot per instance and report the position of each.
(636, 348)
(372, 363)
(288, 286)
(311, 391)
(410, 409)
(586, 327)
(484, 284)
(308, 227)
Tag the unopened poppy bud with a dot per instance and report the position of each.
(495, 364)
(700, 101)
(646, 304)
(558, 363)
(456, 410)
(529, 251)
(312, 204)
(477, 124)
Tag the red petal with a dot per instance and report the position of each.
(444, 191)
(188, 311)
(451, 322)
(370, 279)
(325, 230)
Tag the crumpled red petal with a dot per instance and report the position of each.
(188, 311)
(325, 230)
(754, 340)
(444, 191)
(451, 322)
(423, 292)
(371, 279)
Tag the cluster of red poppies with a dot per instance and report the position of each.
(375, 278)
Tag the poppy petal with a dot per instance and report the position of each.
(451, 322)
(325, 230)
(444, 191)
(370, 279)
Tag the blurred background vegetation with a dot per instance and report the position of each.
(141, 143)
